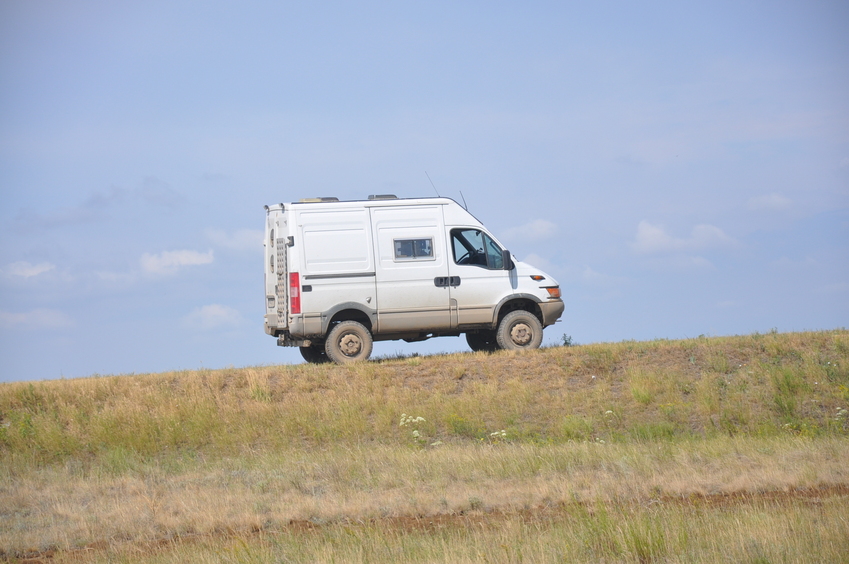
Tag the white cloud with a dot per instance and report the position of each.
(594, 278)
(679, 263)
(536, 230)
(168, 262)
(589, 277)
(35, 319)
(770, 202)
(537, 261)
(240, 240)
(653, 239)
(213, 316)
(27, 270)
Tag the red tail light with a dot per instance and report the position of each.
(294, 293)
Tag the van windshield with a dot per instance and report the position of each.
(474, 247)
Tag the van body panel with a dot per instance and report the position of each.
(337, 261)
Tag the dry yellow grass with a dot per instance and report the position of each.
(123, 460)
(67, 507)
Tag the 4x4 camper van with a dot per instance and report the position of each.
(340, 275)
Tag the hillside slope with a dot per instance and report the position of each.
(182, 465)
(763, 384)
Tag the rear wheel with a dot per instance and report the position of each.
(348, 341)
(314, 354)
(482, 341)
(519, 330)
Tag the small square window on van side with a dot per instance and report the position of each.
(412, 249)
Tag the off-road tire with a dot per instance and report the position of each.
(348, 342)
(519, 330)
(314, 354)
(482, 341)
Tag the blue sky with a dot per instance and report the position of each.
(680, 168)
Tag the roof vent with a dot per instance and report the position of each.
(317, 200)
(383, 197)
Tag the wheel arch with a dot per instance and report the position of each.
(515, 302)
(347, 312)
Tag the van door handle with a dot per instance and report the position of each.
(445, 281)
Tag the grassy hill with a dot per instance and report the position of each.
(702, 449)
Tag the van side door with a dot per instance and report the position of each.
(412, 269)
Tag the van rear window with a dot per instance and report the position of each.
(411, 249)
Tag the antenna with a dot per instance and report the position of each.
(431, 183)
(464, 201)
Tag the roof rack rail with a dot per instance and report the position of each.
(383, 197)
(317, 200)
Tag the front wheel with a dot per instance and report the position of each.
(347, 342)
(520, 330)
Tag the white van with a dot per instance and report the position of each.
(339, 275)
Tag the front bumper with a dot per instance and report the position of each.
(551, 311)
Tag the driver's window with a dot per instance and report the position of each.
(472, 246)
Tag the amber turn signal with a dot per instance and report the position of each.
(554, 292)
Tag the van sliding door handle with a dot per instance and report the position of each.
(445, 281)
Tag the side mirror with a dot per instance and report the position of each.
(507, 260)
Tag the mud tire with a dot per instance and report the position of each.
(519, 330)
(348, 342)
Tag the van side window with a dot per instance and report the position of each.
(412, 249)
(473, 246)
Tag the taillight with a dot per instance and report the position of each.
(553, 292)
(294, 293)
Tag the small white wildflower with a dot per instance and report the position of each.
(416, 434)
